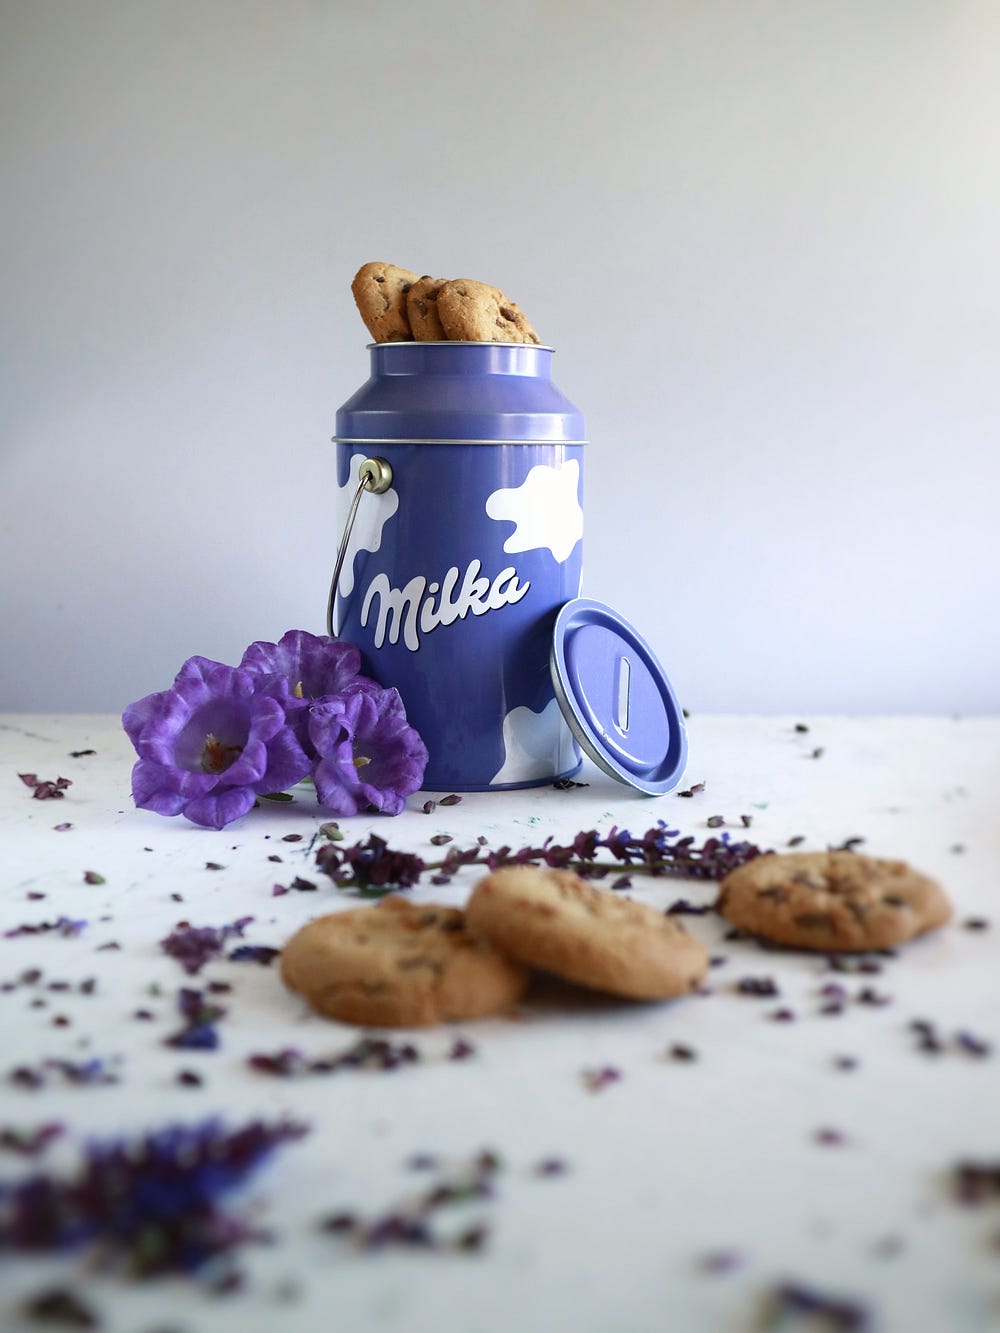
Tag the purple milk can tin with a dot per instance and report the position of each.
(466, 541)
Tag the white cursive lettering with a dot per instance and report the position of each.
(411, 610)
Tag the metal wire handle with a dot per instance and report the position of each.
(374, 475)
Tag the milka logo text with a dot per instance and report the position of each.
(413, 611)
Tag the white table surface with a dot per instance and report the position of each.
(675, 1163)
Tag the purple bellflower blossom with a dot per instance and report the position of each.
(313, 666)
(369, 756)
(213, 742)
(221, 736)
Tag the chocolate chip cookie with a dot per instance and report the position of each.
(553, 919)
(399, 965)
(476, 312)
(832, 901)
(422, 311)
(380, 292)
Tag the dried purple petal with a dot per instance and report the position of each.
(453, 799)
(31, 1142)
(264, 954)
(596, 1080)
(976, 1183)
(198, 1032)
(45, 789)
(60, 1305)
(928, 1040)
(973, 1045)
(551, 1166)
(194, 946)
(842, 1314)
(845, 1062)
(760, 986)
(682, 907)
(830, 1138)
(722, 1261)
(692, 790)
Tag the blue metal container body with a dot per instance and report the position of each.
(454, 576)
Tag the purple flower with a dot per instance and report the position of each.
(213, 742)
(369, 756)
(314, 667)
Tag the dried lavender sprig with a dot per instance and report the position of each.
(373, 868)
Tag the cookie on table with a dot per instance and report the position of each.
(553, 919)
(422, 311)
(832, 901)
(398, 964)
(476, 312)
(380, 292)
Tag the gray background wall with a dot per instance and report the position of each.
(764, 237)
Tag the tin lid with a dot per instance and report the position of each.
(616, 698)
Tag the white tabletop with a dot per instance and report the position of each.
(692, 1189)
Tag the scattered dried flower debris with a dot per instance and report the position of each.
(453, 799)
(63, 925)
(567, 784)
(82, 1073)
(194, 946)
(367, 1053)
(413, 1224)
(93, 877)
(152, 1203)
(46, 789)
(693, 790)
(930, 1041)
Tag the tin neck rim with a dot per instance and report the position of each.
(455, 357)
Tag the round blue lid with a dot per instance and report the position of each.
(616, 698)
